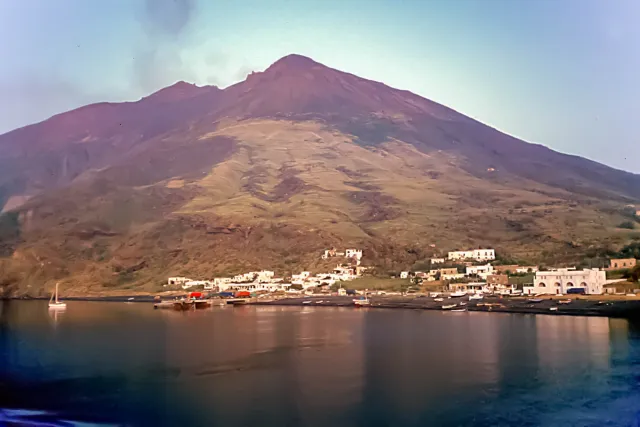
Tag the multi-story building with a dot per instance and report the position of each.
(559, 281)
(480, 270)
(437, 261)
(621, 264)
(476, 254)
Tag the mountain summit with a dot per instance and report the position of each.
(270, 171)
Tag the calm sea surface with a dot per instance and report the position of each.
(127, 364)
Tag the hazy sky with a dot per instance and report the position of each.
(563, 73)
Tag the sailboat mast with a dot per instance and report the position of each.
(56, 293)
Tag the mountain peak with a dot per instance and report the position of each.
(179, 90)
(293, 62)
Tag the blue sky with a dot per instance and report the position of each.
(563, 73)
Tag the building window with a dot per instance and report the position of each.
(542, 285)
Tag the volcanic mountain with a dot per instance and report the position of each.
(266, 173)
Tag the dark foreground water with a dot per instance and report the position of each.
(118, 363)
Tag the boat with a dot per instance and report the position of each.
(434, 294)
(449, 307)
(360, 302)
(458, 310)
(306, 302)
(438, 299)
(554, 309)
(476, 297)
(458, 294)
(182, 305)
(56, 305)
(535, 300)
(163, 305)
(463, 303)
(564, 301)
(319, 302)
(200, 304)
(130, 299)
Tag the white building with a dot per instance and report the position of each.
(452, 276)
(476, 254)
(437, 260)
(404, 274)
(176, 281)
(483, 271)
(192, 283)
(264, 275)
(354, 253)
(561, 280)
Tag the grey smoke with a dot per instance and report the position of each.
(167, 17)
(157, 61)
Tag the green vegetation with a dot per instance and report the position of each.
(629, 225)
(633, 274)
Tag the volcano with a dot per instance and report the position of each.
(268, 172)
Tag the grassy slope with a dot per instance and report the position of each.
(287, 191)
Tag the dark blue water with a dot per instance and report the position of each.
(126, 364)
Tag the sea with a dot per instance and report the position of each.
(126, 364)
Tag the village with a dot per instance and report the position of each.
(470, 272)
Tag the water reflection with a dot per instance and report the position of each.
(319, 366)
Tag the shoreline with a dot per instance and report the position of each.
(578, 307)
(591, 306)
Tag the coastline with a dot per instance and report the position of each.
(578, 307)
(581, 306)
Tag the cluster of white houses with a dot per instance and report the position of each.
(265, 280)
(556, 281)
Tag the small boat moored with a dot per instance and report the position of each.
(56, 304)
(361, 302)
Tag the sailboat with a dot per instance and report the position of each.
(56, 305)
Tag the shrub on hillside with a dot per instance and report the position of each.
(627, 225)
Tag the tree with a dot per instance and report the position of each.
(627, 225)
(296, 287)
(634, 274)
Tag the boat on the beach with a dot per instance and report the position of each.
(434, 294)
(458, 310)
(306, 302)
(476, 297)
(553, 309)
(56, 304)
(535, 300)
(458, 294)
(438, 299)
(564, 301)
(361, 302)
(449, 307)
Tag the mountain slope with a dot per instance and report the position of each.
(268, 172)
